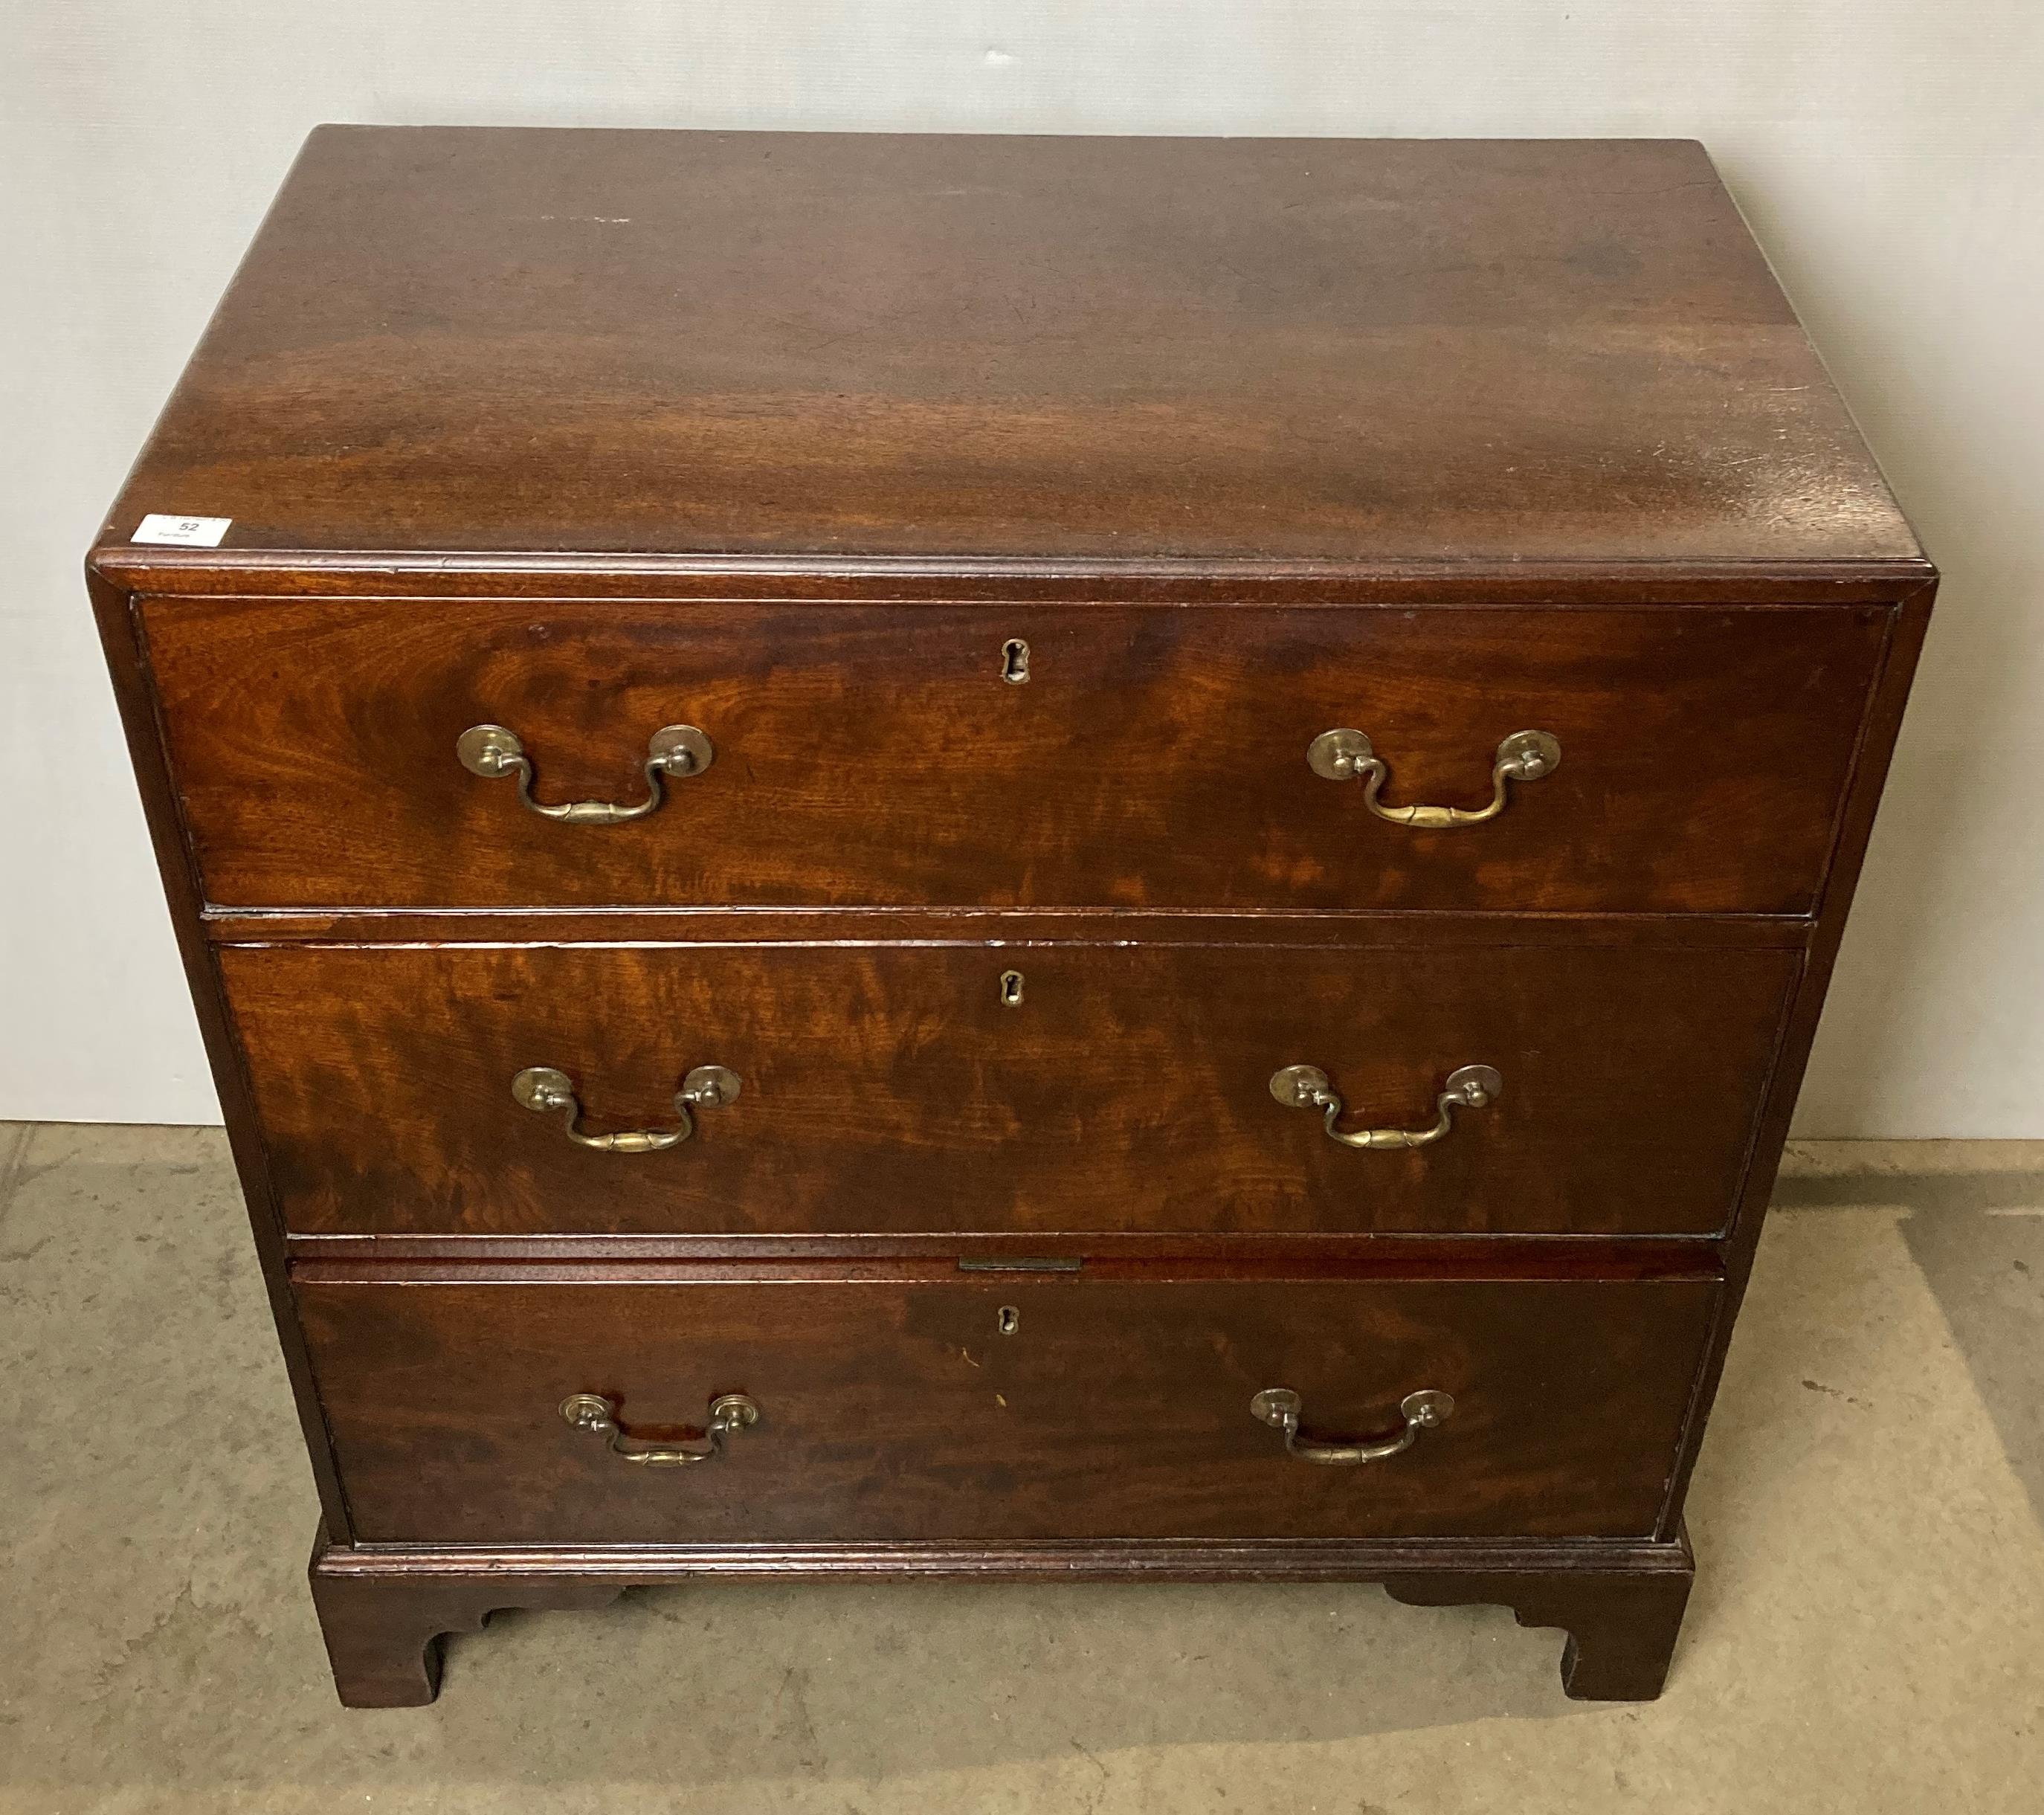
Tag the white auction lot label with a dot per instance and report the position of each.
(183, 532)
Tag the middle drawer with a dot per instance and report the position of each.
(933, 1089)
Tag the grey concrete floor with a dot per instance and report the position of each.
(1867, 1632)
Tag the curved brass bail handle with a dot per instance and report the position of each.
(675, 752)
(591, 1412)
(1349, 756)
(1280, 1407)
(1308, 1087)
(540, 1087)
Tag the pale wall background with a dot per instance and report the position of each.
(1890, 153)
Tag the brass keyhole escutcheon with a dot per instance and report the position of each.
(1008, 1320)
(1011, 989)
(1014, 662)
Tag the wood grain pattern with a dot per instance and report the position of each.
(902, 1413)
(784, 435)
(822, 344)
(889, 1090)
(1156, 757)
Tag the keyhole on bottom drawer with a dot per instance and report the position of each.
(1014, 662)
(1011, 989)
(1008, 1320)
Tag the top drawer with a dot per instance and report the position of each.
(894, 755)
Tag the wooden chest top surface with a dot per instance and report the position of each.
(1024, 350)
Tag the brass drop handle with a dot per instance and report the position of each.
(542, 1088)
(1279, 1407)
(674, 752)
(591, 1412)
(1308, 1087)
(1348, 756)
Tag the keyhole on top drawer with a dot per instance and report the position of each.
(1008, 1320)
(1011, 989)
(1015, 661)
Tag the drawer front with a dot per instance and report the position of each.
(898, 1090)
(901, 1410)
(1155, 756)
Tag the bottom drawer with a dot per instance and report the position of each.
(1093, 1405)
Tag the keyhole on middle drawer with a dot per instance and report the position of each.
(1015, 661)
(1011, 989)
(1008, 1320)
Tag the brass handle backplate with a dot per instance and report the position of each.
(674, 752)
(542, 1088)
(1348, 756)
(591, 1412)
(1308, 1087)
(1279, 1407)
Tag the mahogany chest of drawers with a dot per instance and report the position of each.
(1005, 857)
